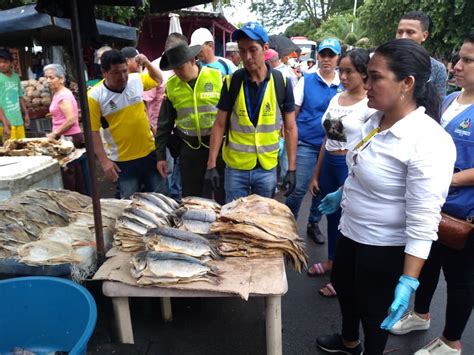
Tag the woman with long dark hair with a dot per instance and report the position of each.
(342, 121)
(399, 175)
(457, 263)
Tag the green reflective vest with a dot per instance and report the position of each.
(247, 143)
(196, 108)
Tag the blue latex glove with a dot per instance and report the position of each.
(407, 285)
(331, 203)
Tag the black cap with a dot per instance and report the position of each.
(5, 54)
(129, 52)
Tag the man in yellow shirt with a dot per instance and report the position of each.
(116, 105)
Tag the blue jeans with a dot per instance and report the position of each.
(333, 175)
(282, 160)
(140, 175)
(306, 159)
(240, 183)
(174, 177)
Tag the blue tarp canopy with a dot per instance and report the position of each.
(22, 25)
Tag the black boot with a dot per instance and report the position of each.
(314, 233)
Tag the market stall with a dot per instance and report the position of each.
(63, 151)
(200, 249)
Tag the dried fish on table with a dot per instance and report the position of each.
(74, 235)
(47, 252)
(160, 268)
(149, 200)
(168, 200)
(69, 201)
(192, 219)
(168, 239)
(37, 146)
(145, 217)
(200, 203)
(258, 226)
(142, 200)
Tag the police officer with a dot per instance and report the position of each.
(190, 108)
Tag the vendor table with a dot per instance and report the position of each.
(271, 285)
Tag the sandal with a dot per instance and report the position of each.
(328, 291)
(317, 269)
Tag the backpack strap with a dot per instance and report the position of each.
(225, 65)
(280, 88)
(234, 82)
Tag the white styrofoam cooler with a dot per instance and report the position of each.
(18, 174)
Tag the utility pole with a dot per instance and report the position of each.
(354, 13)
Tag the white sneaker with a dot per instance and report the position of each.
(409, 322)
(437, 347)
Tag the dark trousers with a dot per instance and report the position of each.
(193, 166)
(364, 277)
(457, 268)
(140, 175)
(73, 174)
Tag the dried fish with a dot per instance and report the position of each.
(200, 202)
(151, 267)
(258, 226)
(47, 252)
(169, 201)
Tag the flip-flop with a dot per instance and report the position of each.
(318, 270)
(330, 288)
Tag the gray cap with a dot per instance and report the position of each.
(129, 52)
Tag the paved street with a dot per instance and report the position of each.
(233, 326)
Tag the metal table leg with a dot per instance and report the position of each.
(123, 321)
(166, 312)
(273, 325)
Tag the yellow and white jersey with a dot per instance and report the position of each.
(122, 116)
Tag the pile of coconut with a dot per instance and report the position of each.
(37, 94)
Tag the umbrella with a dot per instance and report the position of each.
(22, 25)
(175, 25)
(164, 6)
(283, 45)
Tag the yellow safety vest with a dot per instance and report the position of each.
(247, 143)
(196, 108)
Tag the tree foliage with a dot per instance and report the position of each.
(126, 15)
(274, 13)
(451, 20)
(344, 26)
(10, 4)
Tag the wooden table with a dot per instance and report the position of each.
(120, 292)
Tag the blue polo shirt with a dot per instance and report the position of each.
(317, 95)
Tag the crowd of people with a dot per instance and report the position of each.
(373, 137)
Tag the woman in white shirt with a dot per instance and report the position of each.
(399, 175)
(342, 121)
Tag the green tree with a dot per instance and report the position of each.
(312, 12)
(451, 20)
(126, 15)
(10, 4)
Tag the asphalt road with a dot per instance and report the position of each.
(231, 326)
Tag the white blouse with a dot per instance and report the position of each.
(397, 183)
(342, 123)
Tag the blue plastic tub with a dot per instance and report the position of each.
(45, 314)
